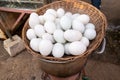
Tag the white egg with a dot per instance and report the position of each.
(52, 11)
(76, 25)
(45, 47)
(69, 14)
(83, 18)
(30, 34)
(59, 36)
(48, 37)
(41, 18)
(90, 34)
(66, 47)
(58, 50)
(39, 30)
(74, 16)
(57, 22)
(90, 25)
(49, 17)
(60, 12)
(77, 48)
(33, 19)
(72, 35)
(50, 27)
(85, 41)
(34, 44)
(65, 22)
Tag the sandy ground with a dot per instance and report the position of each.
(24, 67)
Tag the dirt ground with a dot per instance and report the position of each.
(24, 67)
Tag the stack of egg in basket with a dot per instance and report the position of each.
(68, 64)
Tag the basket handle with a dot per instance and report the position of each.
(102, 47)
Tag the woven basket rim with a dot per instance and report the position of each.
(86, 53)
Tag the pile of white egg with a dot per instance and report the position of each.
(60, 33)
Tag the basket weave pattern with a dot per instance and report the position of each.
(96, 17)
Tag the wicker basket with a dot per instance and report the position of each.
(69, 65)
